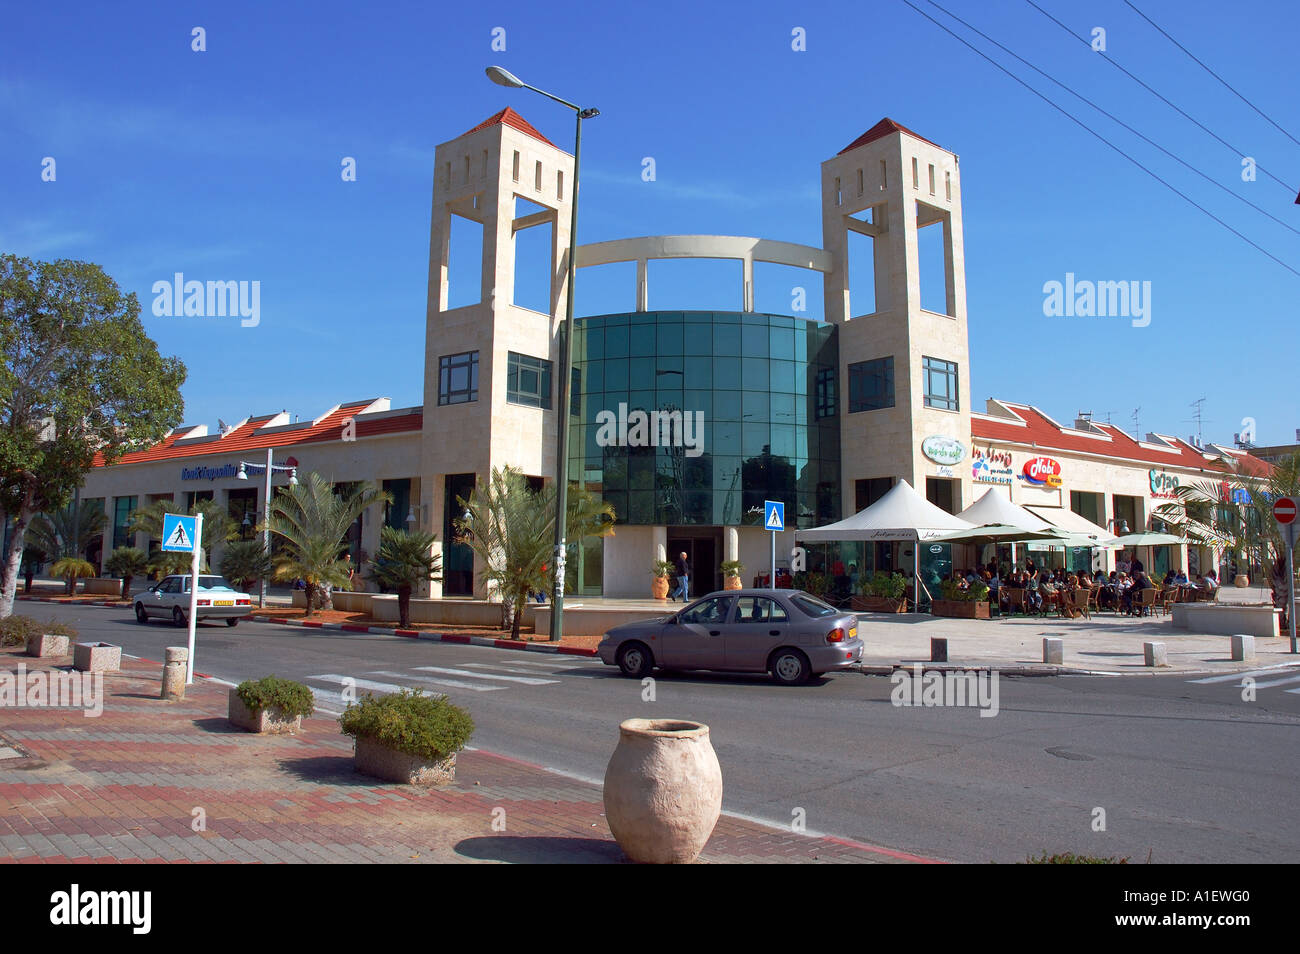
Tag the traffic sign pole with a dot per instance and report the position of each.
(774, 520)
(1284, 512)
(194, 593)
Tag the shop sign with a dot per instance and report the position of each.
(209, 473)
(943, 450)
(990, 466)
(1163, 484)
(1041, 472)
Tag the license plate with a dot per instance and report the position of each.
(853, 632)
(223, 602)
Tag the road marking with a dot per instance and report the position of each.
(485, 675)
(1238, 676)
(549, 663)
(495, 668)
(431, 681)
(358, 683)
(1276, 682)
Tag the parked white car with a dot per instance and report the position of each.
(169, 598)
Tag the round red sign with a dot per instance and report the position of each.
(1284, 510)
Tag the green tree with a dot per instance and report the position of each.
(128, 563)
(66, 531)
(80, 380)
(72, 568)
(245, 562)
(405, 560)
(313, 521)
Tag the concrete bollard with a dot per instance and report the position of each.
(173, 680)
(1243, 648)
(1053, 651)
(938, 649)
(1155, 654)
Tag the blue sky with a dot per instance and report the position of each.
(225, 164)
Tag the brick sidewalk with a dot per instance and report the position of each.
(124, 787)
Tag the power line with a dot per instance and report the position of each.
(1084, 126)
(1162, 99)
(1116, 119)
(1214, 74)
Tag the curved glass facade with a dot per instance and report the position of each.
(697, 417)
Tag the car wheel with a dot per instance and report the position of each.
(141, 616)
(635, 660)
(232, 622)
(790, 667)
(178, 618)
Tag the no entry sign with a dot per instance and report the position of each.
(1284, 510)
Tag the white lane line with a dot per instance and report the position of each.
(431, 681)
(484, 675)
(549, 663)
(1277, 682)
(358, 683)
(1238, 676)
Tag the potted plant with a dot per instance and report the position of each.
(407, 736)
(270, 705)
(731, 570)
(128, 563)
(970, 603)
(662, 570)
(883, 593)
(40, 638)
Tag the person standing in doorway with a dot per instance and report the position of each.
(683, 569)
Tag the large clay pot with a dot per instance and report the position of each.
(659, 587)
(663, 790)
(1241, 580)
(731, 583)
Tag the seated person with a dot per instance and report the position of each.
(1211, 582)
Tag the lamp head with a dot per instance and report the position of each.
(243, 473)
(293, 477)
(503, 77)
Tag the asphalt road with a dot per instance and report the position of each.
(1184, 771)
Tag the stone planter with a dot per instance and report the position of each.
(659, 587)
(48, 644)
(272, 721)
(374, 758)
(731, 583)
(959, 609)
(876, 604)
(663, 790)
(97, 657)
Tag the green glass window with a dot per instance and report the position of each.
(871, 385)
(825, 396)
(458, 378)
(123, 508)
(940, 383)
(528, 381)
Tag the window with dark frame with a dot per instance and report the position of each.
(940, 384)
(871, 384)
(825, 399)
(528, 381)
(458, 378)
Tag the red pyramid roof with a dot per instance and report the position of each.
(881, 130)
(514, 120)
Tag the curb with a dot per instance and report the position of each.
(888, 669)
(488, 641)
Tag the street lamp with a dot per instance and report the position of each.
(266, 507)
(505, 78)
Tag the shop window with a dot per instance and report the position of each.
(458, 378)
(871, 384)
(868, 491)
(940, 384)
(528, 381)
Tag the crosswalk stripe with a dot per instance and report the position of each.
(526, 680)
(1236, 676)
(1291, 690)
(432, 681)
(1277, 682)
(358, 683)
(553, 660)
(494, 668)
(328, 700)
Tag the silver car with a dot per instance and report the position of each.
(789, 633)
(169, 598)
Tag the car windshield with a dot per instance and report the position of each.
(812, 606)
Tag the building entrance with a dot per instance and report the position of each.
(703, 548)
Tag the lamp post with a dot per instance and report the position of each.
(504, 78)
(266, 508)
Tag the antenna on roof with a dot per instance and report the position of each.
(1197, 419)
(1137, 434)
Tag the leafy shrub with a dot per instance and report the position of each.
(887, 585)
(272, 692)
(977, 592)
(428, 727)
(1069, 858)
(16, 630)
(663, 568)
(732, 568)
(810, 582)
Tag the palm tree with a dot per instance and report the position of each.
(128, 563)
(313, 521)
(71, 568)
(67, 531)
(405, 559)
(218, 526)
(246, 562)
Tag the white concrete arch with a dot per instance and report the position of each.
(747, 250)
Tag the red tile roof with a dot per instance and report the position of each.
(515, 121)
(1032, 426)
(246, 437)
(879, 131)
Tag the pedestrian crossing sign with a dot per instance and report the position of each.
(178, 533)
(773, 515)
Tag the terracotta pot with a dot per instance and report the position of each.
(659, 587)
(731, 583)
(663, 790)
(1241, 579)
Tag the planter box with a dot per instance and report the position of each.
(271, 721)
(48, 644)
(876, 604)
(97, 657)
(378, 760)
(103, 586)
(959, 609)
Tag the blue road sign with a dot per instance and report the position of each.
(773, 515)
(178, 533)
